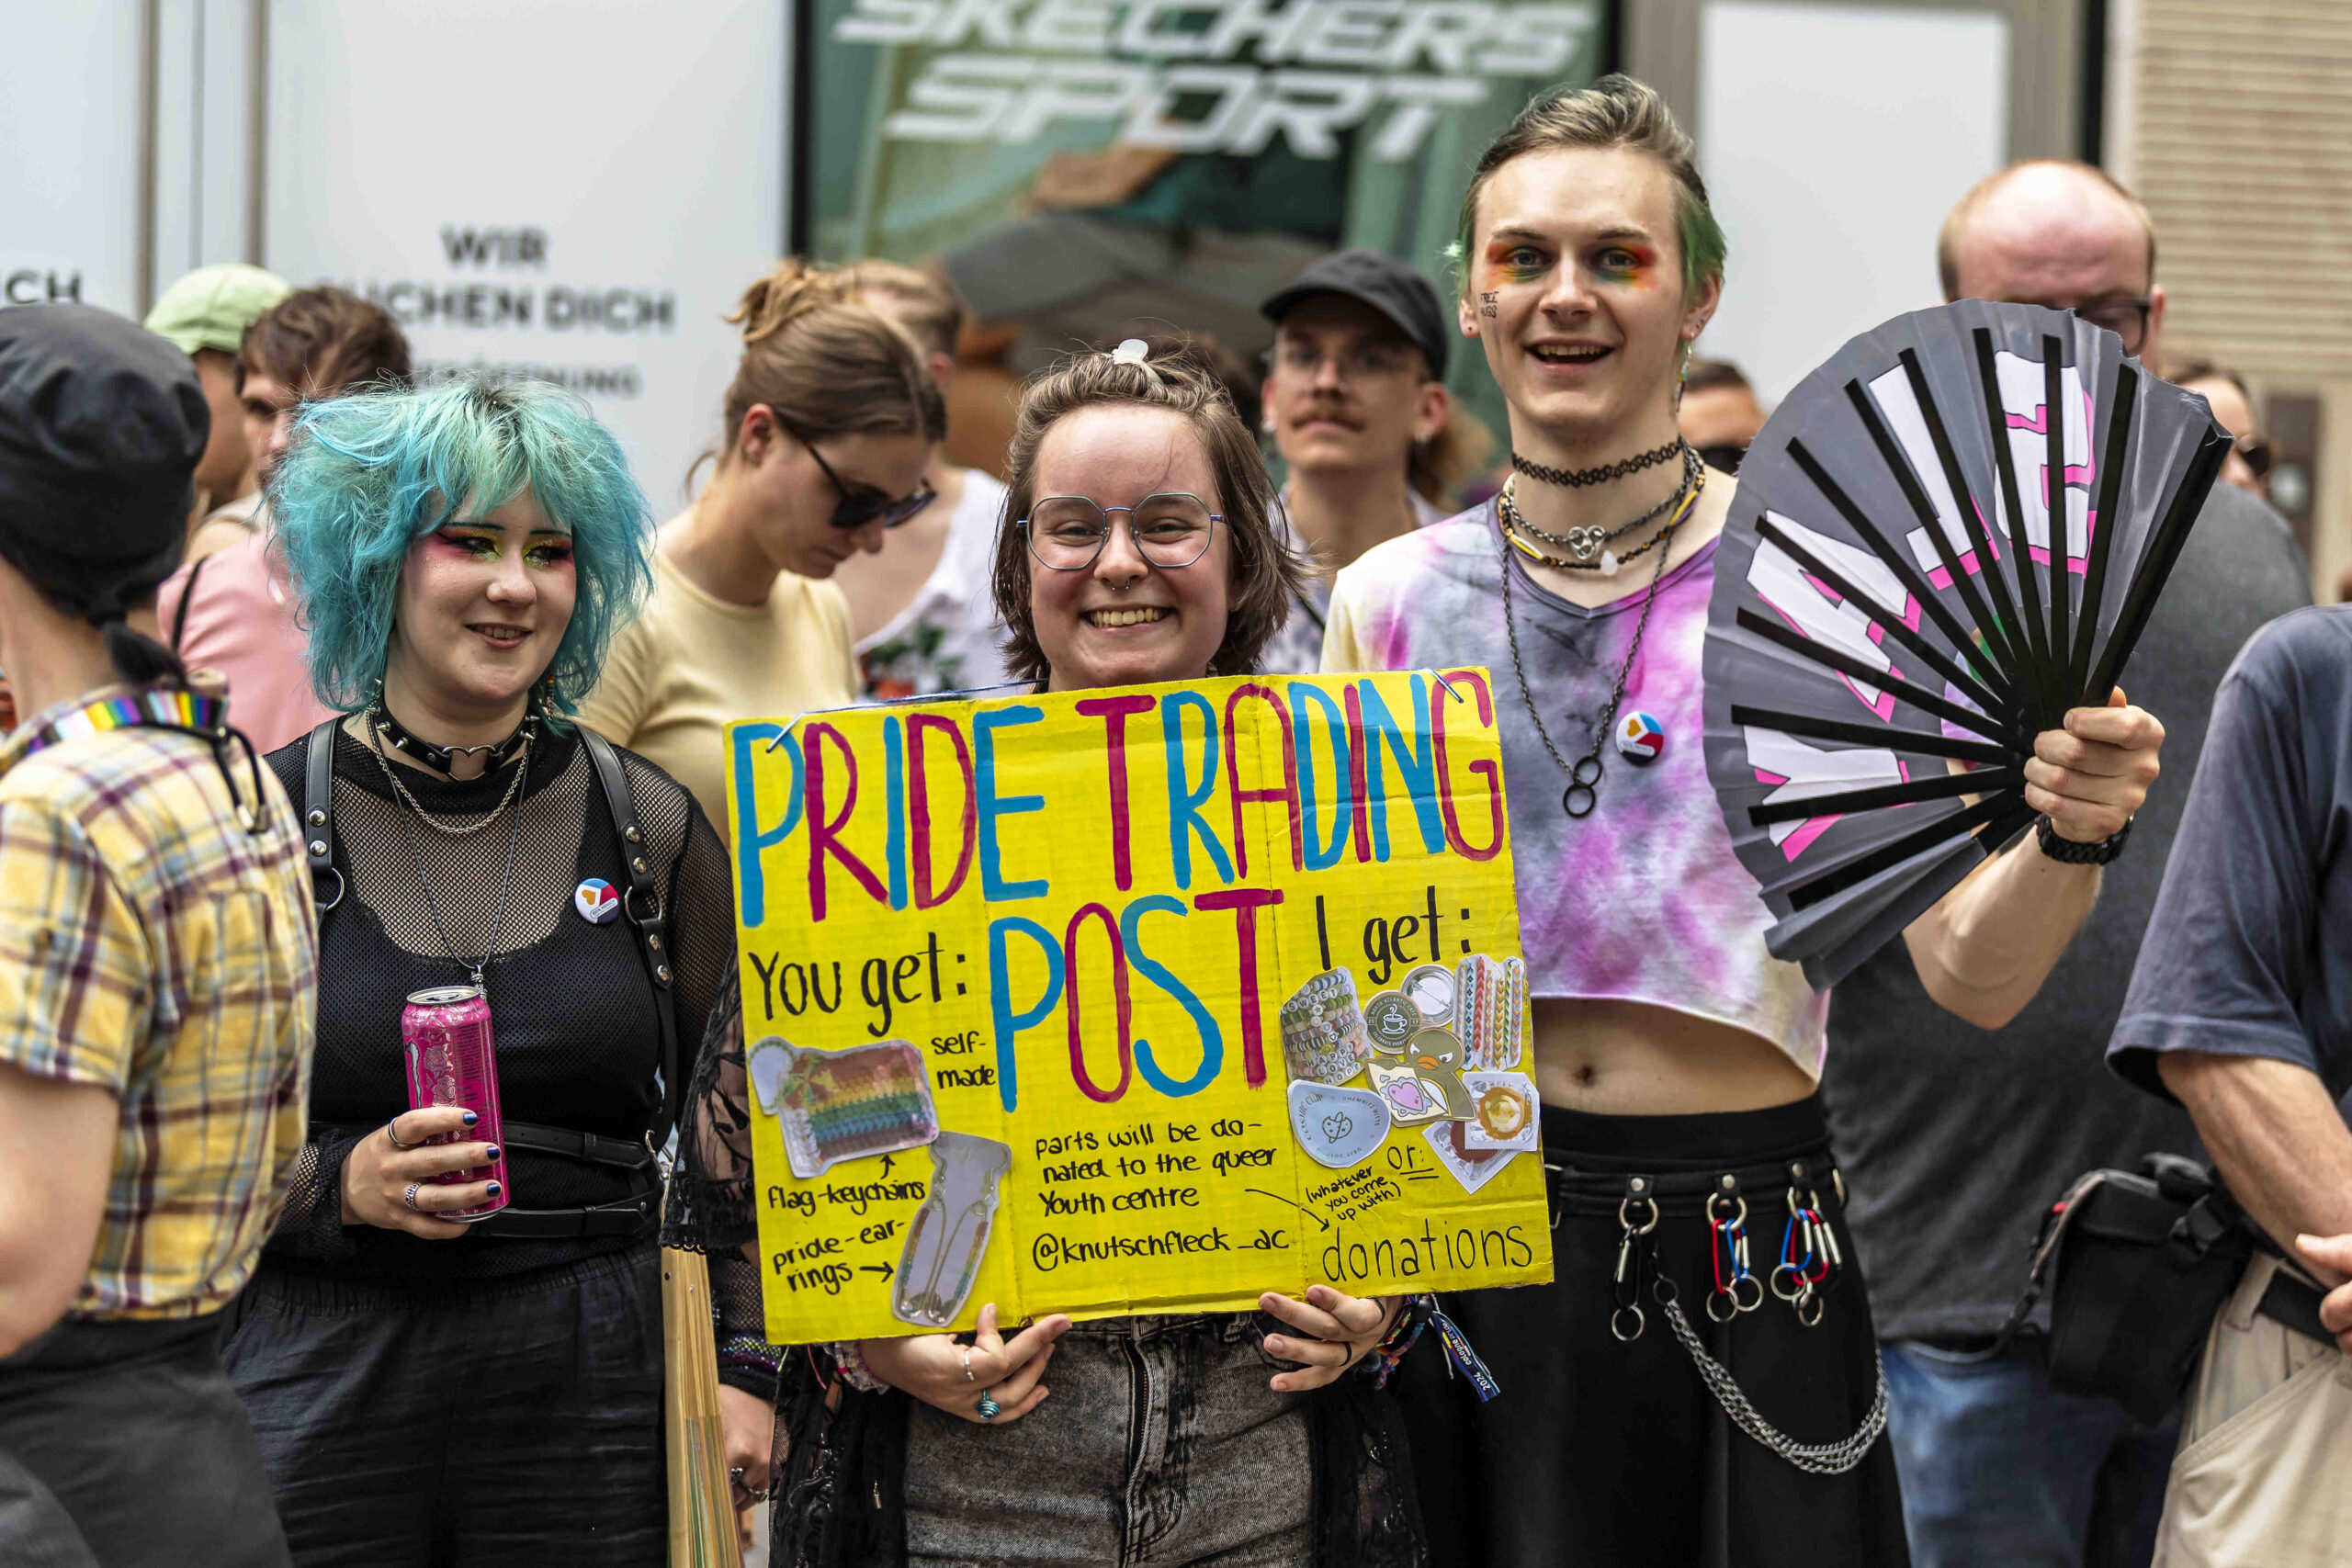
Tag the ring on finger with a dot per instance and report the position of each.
(988, 1409)
(395, 1138)
(968, 1365)
(409, 1197)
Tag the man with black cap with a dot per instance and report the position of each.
(1356, 403)
(158, 963)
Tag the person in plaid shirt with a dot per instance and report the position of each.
(158, 965)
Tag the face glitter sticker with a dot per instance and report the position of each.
(1323, 1030)
(1341, 1128)
(1503, 1111)
(598, 901)
(1472, 1168)
(950, 1233)
(838, 1105)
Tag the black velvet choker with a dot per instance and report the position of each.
(441, 759)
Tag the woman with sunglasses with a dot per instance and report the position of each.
(1142, 552)
(831, 419)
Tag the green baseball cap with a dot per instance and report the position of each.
(211, 306)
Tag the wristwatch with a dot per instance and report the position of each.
(2066, 851)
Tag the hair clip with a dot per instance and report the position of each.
(1134, 351)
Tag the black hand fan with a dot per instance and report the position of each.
(1891, 599)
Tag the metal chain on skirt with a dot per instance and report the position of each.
(1817, 1459)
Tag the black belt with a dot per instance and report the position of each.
(623, 1216)
(2291, 1302)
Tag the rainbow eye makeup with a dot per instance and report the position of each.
(1632, 266)
(1510, 261)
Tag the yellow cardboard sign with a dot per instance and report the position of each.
(1059, 933)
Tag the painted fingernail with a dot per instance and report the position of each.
(489, 1151)
(471, 1117)
(496, 1189)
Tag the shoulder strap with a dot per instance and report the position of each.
(318, 808)
(644, 896)
(188, 597)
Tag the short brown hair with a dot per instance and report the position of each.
(826, 364)
(924, 305)
(1616, 111)
(1956, 222)
(1265, 573)
(323, 341)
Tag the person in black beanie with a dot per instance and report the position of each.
(157, 970)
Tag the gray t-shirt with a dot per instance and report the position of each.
(2250, 953)
(1955, 1139)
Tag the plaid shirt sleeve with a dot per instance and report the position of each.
(76, 978)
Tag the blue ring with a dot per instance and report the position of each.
(988, 1409)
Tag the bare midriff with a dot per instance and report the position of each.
(1618, 1058)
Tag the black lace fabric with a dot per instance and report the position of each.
(573, 1013)
(713, 1201)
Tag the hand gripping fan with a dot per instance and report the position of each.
(1895, 618)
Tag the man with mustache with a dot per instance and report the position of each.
(1356, 403)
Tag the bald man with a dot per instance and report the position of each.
(1965, 1137)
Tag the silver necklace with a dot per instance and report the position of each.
(505, 880)
(1583, 793)
(439, 825)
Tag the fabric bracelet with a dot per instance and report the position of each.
(853, 1370)
(1400, 1337)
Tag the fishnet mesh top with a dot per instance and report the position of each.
(571, 1008)
(713, 1203)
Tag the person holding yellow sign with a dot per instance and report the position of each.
(1677, 1060)
(1139, 551)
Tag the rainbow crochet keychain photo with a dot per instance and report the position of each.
(838, 1105)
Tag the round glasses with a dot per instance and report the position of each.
(1067, 532)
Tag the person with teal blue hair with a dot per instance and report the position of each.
(381, 470)
(452, 1347)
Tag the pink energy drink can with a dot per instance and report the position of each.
(451, 1062)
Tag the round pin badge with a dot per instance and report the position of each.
(1430, 987)
(1391, 1020)
(1640, 737)
(598, 901)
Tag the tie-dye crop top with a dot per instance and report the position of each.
(1643, 900)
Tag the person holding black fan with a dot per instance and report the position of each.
(1676, 1059)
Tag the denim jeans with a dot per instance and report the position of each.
(1161, 1444)
(2000, 1471)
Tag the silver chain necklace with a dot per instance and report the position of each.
(454, 831)
(416, 858)
(1583, 793)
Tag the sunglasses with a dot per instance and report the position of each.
(859, 506)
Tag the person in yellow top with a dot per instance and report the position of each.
(831, 419)
(158, 966)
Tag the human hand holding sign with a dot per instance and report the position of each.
(947, 1374)
(1338, 1331)
(2089, 777)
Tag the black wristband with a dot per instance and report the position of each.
(2066, 851)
